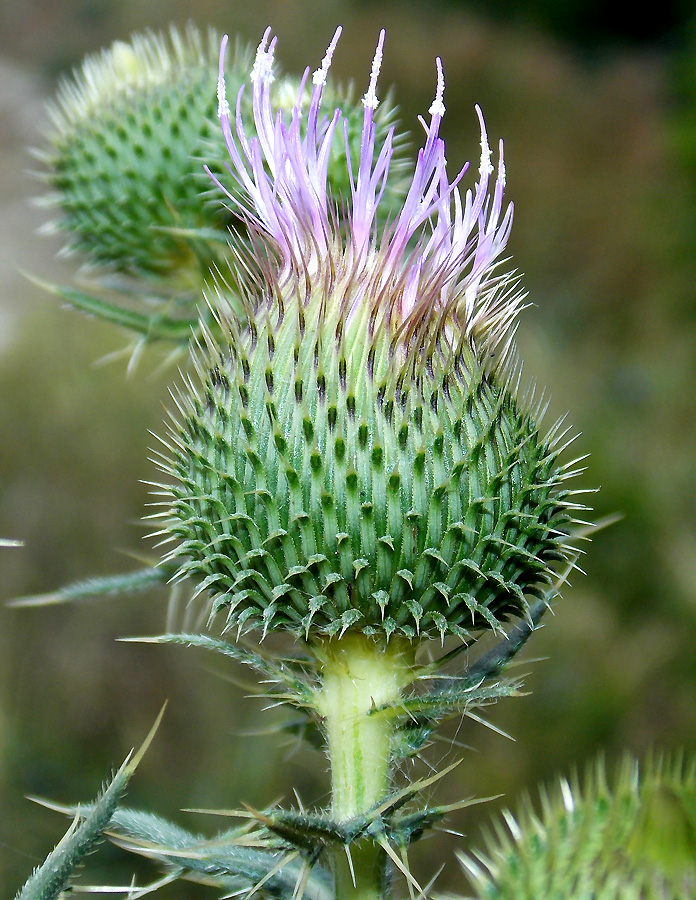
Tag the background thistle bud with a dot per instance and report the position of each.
(358, 456)
(128, 131)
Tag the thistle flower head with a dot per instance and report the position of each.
(356, 456)
(122, 140)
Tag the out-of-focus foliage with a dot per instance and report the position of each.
(630, 837)
(604, 231)
(589, 24)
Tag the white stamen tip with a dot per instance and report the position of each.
(223, 105)
(437, 107)
(319, 76)
(223, 109)
(370, 100)
(486, 167)
(263, 64)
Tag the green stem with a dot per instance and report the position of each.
(360, 674)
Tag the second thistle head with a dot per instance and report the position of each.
(356, 455)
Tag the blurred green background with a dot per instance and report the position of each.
(599, 120)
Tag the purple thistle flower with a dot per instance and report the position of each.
(439, 252)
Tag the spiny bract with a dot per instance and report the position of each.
(356, 456)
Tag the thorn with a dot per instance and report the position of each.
(302, 880)
(403, 868)
(299, 801)
(404, 860)
(402, 796)
(135, 759)
(346, 847)
(426, 890)
(280, 865)
(490, 725)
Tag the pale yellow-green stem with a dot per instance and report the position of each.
(360, 674)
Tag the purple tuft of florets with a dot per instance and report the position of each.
(440, 250)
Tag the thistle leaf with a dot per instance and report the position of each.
(50, 879)
(224, 861)
(154, 327)
(282, 671)
(110, 585)
(457, 697)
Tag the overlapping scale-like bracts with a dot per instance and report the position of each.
(128, 138)
(313, 497)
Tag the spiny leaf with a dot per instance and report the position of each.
(51, 878)
(154, 327)
(110, 585)
(456, 697)
(225, 861)
(406, 829)
(279, 671)
(309, 831)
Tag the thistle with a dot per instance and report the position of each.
(353, 462)
(128, 135)
(630, 837)
(357, 456)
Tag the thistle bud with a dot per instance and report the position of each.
(125, 133)
(356, 455)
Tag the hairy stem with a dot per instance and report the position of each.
(359, 674)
